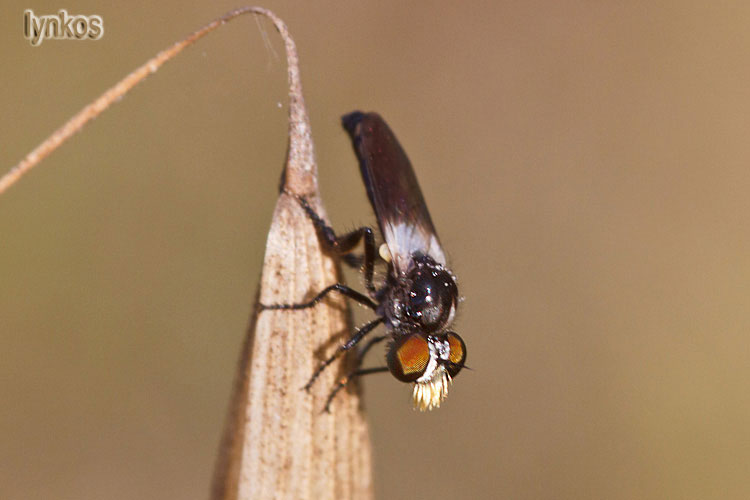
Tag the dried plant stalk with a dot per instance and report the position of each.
(278, 442)
(109, 97)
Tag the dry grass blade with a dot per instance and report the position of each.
(278, 442)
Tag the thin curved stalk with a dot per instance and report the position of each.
(278, 443)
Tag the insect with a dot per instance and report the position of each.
(418, 298)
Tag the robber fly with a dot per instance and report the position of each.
(418, 298)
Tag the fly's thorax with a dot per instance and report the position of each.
(424, 299)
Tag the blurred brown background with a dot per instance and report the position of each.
(586, 165)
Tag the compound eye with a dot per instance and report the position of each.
(408, 357)
(457, 356)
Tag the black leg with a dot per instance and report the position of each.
(338, 287)
(367, 347)
(345, 380)
(356, 338)
(344, 244)
(357, 371)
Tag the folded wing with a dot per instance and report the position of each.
(393, 190)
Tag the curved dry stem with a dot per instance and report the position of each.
(278, 443)
(88, 113)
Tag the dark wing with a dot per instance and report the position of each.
(393, 190)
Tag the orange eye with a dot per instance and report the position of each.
(408, 357)
(457, 355)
